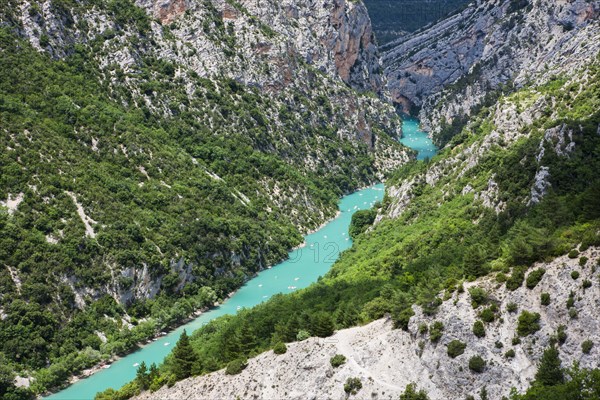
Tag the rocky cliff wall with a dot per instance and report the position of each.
(448, 69)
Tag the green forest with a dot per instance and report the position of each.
(134, 197)
(193, 193)
(434, 245)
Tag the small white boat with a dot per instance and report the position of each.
(296, 279)
(106, 366)
(166, 344)
(347, 238)
(238, 308)
(325, 236)
(136, 364)
(291, 287)
(265, 296)
(260, 285)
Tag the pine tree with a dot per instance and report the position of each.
(184, 357)
(154, 373)
(322, 325)
(549, 372)
(411, 393)
(291, 329)
(229, 344)
(483, 395)
(141, 376)
(347, 316)
(247, 338)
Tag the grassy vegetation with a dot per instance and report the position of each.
(443, 237)
(207, 180)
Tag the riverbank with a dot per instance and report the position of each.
(106, 364)
(300, 270)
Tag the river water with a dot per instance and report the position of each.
(303, 267)
(416, 139)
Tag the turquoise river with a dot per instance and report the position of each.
(415, 138)
(304, 266)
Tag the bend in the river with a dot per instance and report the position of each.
(303, 267)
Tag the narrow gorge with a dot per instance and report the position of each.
(177, 166)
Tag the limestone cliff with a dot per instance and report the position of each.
(308, 74)
(450, 70)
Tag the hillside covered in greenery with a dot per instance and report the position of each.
(476, 208)
(136, 191)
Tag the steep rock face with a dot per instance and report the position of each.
(182, 146)
(393, 19)
(301, 55)
(386, 360)
(334, 37)
(448, 69)
(280, 48)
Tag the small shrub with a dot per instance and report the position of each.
(573, 253)
(302, 335)
(499, 345)
(516, 278)
(435, 333)
(478, 329)
(561, 334)
(534, 278)
(456, 348)
(352, 385)
(510, 354)
(575, 275)
(573, 312)
(478, 296)
(44, 40)
(411, 393)
(280, 348)
(337, 360)
(501, 277)
(545, 299)
(487, 315)
(583, 260)
(516, 340)
(421, 347)
(423, 329)
(528, 323)
(403, 318)
(570, 301)
(477, 364)
(586, 346)
(587, 284)
(512, 307)
(236, 366)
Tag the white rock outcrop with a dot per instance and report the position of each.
(386, 359)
